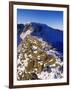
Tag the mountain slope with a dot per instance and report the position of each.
(48, 34)
(20, 28)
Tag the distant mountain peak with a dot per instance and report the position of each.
(47, 33)
(37, 24)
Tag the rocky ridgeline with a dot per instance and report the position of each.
(36, 59)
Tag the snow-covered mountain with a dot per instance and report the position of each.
(48, 34)
(39, 52)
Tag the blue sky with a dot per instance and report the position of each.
(52, 18)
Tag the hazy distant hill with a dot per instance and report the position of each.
(48, 34)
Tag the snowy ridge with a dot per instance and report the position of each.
(38, 58)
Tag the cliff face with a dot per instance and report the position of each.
(36, 57)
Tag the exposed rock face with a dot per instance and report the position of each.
(37, 59)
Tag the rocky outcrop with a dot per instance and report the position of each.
(36, 60)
